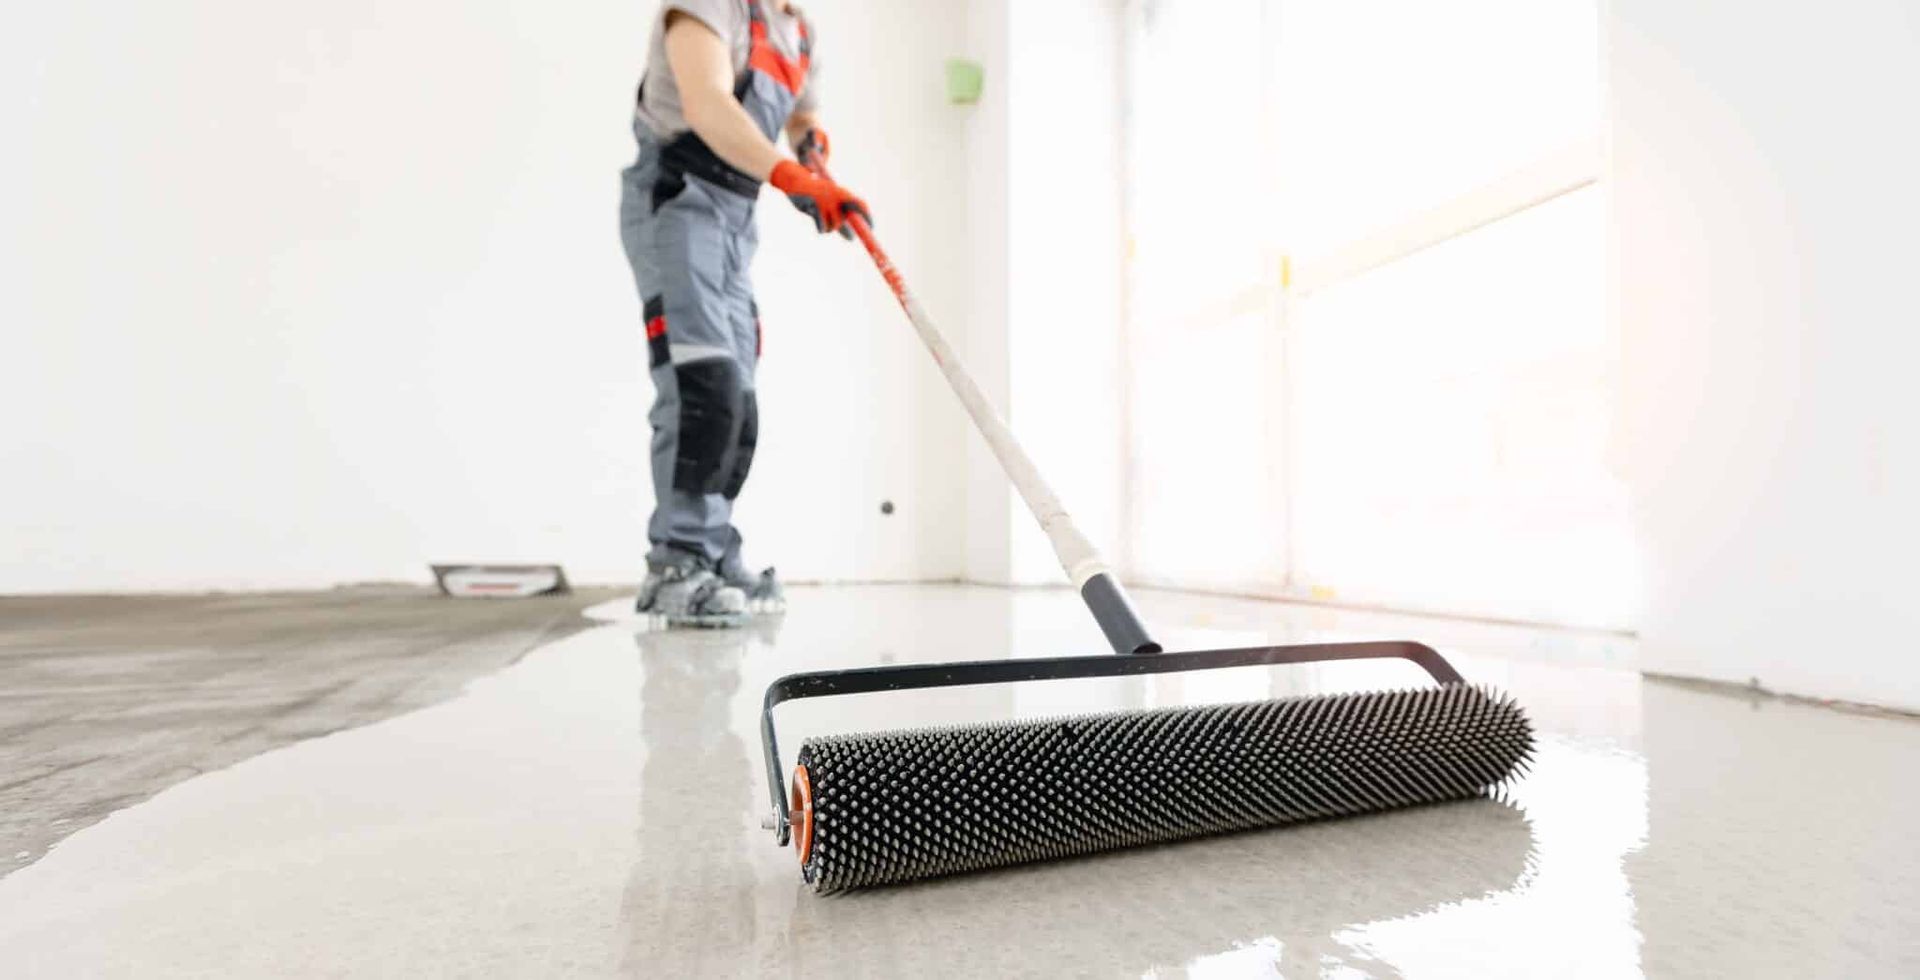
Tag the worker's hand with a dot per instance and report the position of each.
(813, 148)
(826, 202)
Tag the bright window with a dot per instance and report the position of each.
(1391, 107)
(1417, 415)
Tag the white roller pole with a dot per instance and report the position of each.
(1077, 555)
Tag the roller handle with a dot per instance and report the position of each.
(1078, 557)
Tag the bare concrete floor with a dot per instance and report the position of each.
(593, 810)
(106, 700)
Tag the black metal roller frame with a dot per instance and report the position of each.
(866, 680)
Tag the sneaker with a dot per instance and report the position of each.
(762, 588)
(689, 594)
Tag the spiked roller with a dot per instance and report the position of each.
(894, 806)
(879, 808)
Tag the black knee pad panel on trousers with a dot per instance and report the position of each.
(744, 446)
(712, 412)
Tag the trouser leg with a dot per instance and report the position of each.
(686, 261)
(685, 522)
(746, 343)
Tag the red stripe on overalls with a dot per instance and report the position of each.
(765, 58)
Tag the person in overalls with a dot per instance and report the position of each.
(723, 79)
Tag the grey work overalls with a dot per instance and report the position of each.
(686, 218)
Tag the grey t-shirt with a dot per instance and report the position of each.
(660, 107)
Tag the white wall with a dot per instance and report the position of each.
(1066, 252)
(304, 294)
(1207, 408)
(1043, 322)
(1762, 168)
(983, 333)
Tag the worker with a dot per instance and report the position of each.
(724, 78)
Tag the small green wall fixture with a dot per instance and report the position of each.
(964, 80)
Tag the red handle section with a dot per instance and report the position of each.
(864, 232)
(880, 261)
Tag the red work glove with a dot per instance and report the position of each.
(826, 202)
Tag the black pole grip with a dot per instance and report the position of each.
(1111, 609)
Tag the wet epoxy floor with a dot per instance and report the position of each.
(594, 810)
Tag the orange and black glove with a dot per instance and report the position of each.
(813, 150)
(826, 202)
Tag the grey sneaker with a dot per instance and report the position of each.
(688, 594)
(762, 588)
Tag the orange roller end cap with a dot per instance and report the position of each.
(800, 813)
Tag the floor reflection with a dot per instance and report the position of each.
(1159, 908)
(691, 893)
(1572, 913)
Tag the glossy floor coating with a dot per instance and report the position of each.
(594, 811)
